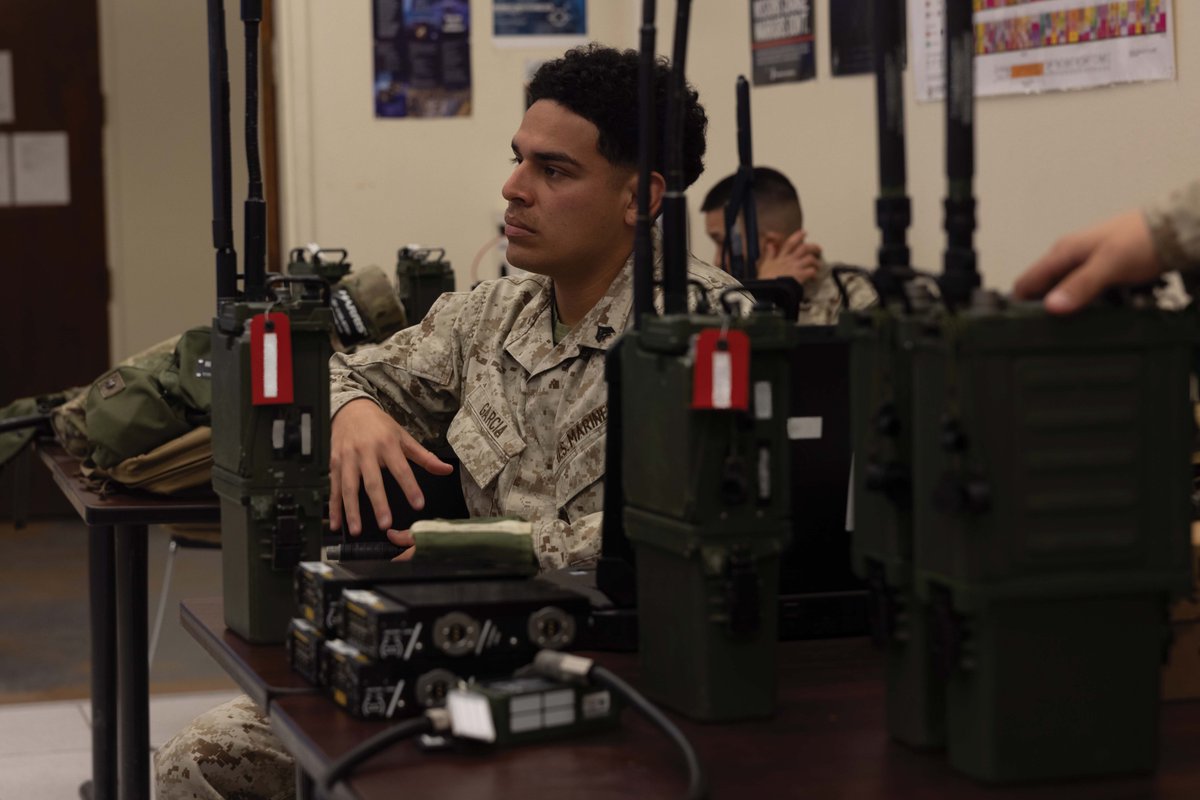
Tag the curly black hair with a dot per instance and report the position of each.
(600, 84)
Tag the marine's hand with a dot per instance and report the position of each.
(1081, 265)
(403, 539)
(365, 438)
(792, 257)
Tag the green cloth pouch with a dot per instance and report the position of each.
(505, 541)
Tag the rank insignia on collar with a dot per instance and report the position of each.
(603, 332)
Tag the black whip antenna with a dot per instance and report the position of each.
(255, 206)
(218, 93)
(893, 208)
(742, 251)
(643, 246)
(960, 274)
(675, 201)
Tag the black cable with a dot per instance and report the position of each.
(697, 783)
(380, 741)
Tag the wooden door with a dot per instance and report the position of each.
(53, 261)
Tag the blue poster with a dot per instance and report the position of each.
(523, 19)
(422, 58)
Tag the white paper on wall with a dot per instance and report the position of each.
(41, 173)
(8, 105)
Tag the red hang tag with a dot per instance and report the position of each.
(271, 358)
(721, 379)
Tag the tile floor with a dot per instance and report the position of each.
(45, 748)
(45, 742)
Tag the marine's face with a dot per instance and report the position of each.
(569, 208)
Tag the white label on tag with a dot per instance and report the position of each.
(722, 384)
(270, 365)
(762, 400)
(306, 434)
(804, 427)
(278, 429)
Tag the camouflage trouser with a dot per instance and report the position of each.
(228, 752)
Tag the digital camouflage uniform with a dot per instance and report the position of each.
(227, 752)
(823, 302)
(1175, 228)
(526, 417)
(527, 420)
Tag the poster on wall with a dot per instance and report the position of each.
(850, 51)
(1030, 46)
(539, 23)
(422, 58)
(851, 35)
(782, 44)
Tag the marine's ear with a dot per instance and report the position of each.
(658, 186)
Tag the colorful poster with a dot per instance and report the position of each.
(781, 41)
(422, 58)
(1028, 46)
(539, 23)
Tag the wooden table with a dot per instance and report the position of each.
(827, 741)
(117, 529)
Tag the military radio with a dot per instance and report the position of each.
(270, 352)
(709, 392)
(1050, 503)
(366, 308)
(422, 276)
(319, 261)
(881, 414)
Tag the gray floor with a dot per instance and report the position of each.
(45, 746)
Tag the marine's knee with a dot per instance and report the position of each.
(228, 751)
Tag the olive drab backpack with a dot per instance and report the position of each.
(141, 405)
(143, 423)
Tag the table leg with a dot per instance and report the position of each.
(103, 622)
(134, 678)
(304, 784)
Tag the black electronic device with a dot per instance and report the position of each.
(462, 622)
(372, 689)
(443, 500)
(305, 644)
(319, 585)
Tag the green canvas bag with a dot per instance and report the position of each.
(146, 403)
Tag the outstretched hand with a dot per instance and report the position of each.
(1081, 265)
(364, 439)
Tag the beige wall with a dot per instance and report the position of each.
(373, 185)
(154, 70)
(1046, 163)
